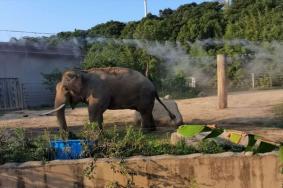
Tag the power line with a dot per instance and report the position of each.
(34, 52)
(30, 32)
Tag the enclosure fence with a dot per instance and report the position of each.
(11, 94)
(36, 95)
(16, 96)
(193, 87)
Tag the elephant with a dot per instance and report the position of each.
(107, 88)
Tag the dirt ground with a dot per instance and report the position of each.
(249, 111)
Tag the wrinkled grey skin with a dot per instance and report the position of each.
(107, 88)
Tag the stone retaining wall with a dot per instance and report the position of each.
(226, 170)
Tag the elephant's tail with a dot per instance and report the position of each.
(172, 116)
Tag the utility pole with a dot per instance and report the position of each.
(145, 14)
(145, 8)
(221, 81)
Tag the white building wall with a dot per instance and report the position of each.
(28, 68)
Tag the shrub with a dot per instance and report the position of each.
(209, 146)
(177, 86)
(51, 79)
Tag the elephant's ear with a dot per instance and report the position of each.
(72, 81)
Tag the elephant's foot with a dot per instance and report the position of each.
(148, 129)
(72, 135)
(67, 134)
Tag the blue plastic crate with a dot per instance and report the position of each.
(70, 149)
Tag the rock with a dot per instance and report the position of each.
(193, 141)
(243, 141)
(176, 137)
(167, 97)
(248, 153)
(161, 116)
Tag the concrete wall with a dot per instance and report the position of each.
(226, 170)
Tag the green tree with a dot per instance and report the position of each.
(111, 54)
(148, 29)
(111, 29)
(257, 20)
(206, 21)
(129, 30)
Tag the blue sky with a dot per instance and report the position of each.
(52, 16)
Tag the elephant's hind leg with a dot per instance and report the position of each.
(147, 121)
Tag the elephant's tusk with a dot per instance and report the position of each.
(52, 111)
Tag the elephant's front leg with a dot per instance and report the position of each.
(95, 115)
(96, 108)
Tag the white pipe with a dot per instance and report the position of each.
(145, 8)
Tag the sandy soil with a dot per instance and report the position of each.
(250, 111)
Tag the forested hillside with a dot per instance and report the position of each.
(177, 44)
(246, 19)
